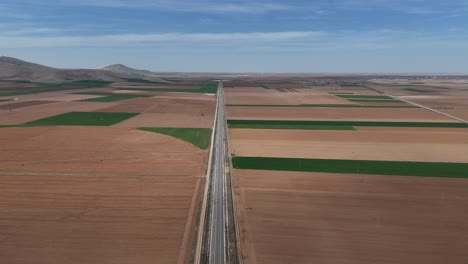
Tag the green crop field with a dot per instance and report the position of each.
(204, 88)
(415, 90)
(113, 98)
(376, 100)
(296, 127)
(356, 96)
(402, 168)
(200, 137)
(4, 94)
(134, 80)
(290, 123)
(82, 119)
(83, 84)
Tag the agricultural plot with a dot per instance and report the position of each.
(379, 114)
(77, 185)
(300, 217)
(386, 183)
(398, 168)
(279, 124)
(200, 137)
(82, 119)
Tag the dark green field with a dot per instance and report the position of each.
(376, 100)
(82, 84)
(82, 119)
(356, 96)
(113, 98)
(278, 123)
(200, 137)
(415, 90)
(15, 93)
(402, 168)
(204, 88)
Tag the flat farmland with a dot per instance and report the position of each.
(167, 112)
(295, 217)
(334, 113)
(50, 218)
(357, 202)
(354, 145)
(80, 185)
(27, 114)
(262, 96)
(100, 150)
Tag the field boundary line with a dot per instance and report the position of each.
(188, 226)
(428, 108)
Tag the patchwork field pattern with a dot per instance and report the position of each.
(79, 183)
(384, 183)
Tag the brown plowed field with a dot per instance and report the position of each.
(338, 113)
(26, 114)
(97, 150)
(15, 105)
(164, 106)
(78, 219)
(358, 145)
(293, 217)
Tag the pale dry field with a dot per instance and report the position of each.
(294, 217)
(338, 113)
(352, 145)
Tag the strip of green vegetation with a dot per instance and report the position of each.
(402, 168)
(417, 90)
(328, 105)
(340, 93)
(299, 105)
(293, 127)
(349, 84)
(4, 100)
(200, 137)
(3, 94)
(204, 88)
(264, 86)
(135, 80)
(15, 81)
(376, 100)
(256, 123)
(357, 96)
(113, 98)
(82, 83)
(82, 119)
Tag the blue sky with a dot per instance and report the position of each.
(335, 36)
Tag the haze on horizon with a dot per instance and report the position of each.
(340, 36)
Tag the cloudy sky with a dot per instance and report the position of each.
(342, 36)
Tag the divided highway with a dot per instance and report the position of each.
(218, 177)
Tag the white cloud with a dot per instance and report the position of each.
(141, 39)
(202, 6)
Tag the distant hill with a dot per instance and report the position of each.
(124, 69)
(15, 69)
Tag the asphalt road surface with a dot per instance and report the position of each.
(217, 240)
